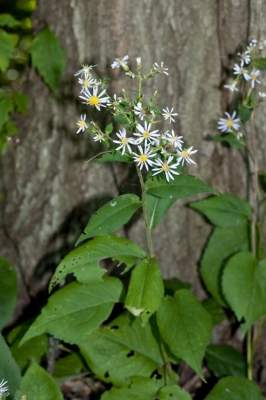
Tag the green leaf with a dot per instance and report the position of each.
(123, 349)
(111, 216)
(146, 289)
(181, 187)
(173, 392)
(76, 310)
(215, 311)
(235, 388)
(39, 384)
(9, 371)
(83, 261)
(260, 63)
(173, 284)
(109, 129)
(21, 101)
(222, 244)
(6, 49)
(68, 367)
(6, 107)
(231, 139)
(244, 112)
(34, 349)
(8, 20)
(157, 209)
(224, 360)
(121, 119)
(191, 327)
(8, 292)
(226, 211)
(114, 156)
(48, 57)
(244, 283)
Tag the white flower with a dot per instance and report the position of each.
(166, 168)
(244, 58)
(3, 388)
(241, 71)
(145, 134)
(143, 158)
(120, 62)
(161, 70)
(185, 155)
(167, 114)
(124, 141)
(226, 124)
(94, 99)
(239, 135)
(82, 124)
(174, 140)
(99, 137)
(254, 74)
(232, 87)
(138, 110)
(87, 82)
(113, 103)
(261, 94)
(85, 71)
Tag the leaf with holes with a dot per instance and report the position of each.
(181, 187)
(39, 384)
(225, 211)
(186, 327)
(111, 216)
(146, 289)
(235, 388)
(244, 283)
(222, 244)
(83, 261)
(76, 310)
(123, 349)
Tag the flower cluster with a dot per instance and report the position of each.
(160, 151)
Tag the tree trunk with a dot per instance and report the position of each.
(49, 192)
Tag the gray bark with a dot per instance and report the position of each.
(45, 180)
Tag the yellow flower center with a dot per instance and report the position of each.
(174, 139)
(253, 76)
(124, 140)
(85, 82)
(93, 100)
(81, 123)
(185, 154)
(143, 158)
(165, 167)
(229, 122)
(146, 134)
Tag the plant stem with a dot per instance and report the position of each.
(145, 212)
(249, 354)
(168, 367)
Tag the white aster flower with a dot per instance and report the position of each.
(3, 388)
(99, 137)
(118, 62)
(167, 114)
(87, 82)
(185, 155)
(229, 123)
(124, 142)
(82, 124)
(254, 74)
(174, 140)
(161, 70)
(143, 158)
(164, 166)
(261, 94)
(232, 87)
(113, 103)
(244, 58)
(94, 99)
(85, 71)
(138, 110)
(145, 134)
(241, 71)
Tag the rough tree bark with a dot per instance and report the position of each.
(46, 184)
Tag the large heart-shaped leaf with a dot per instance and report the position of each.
(225, 360)
(157, 209)
(235, 388)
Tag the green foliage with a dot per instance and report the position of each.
(215, 311)
(8, 292)
(8, 20)
(146, 290)
(122, 349)
(68, 367)
(39, 385)
(9, 368)
(235, 388)
(6, 49)
(48, 57)
(244, 112)
(157, 208)
(114, 156)
(190, 324)
(71, 320)
(248, 299)
(111, 216)
(231, 139)
(260, 63)
(224, 360)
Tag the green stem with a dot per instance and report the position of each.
(145, 212)
(168, 367)
(249, 354)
